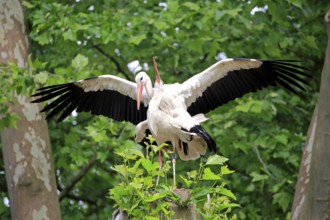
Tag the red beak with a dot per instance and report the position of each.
(156, 70)
(139, 94)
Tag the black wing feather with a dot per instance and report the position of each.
(239, 82)
(109, 103)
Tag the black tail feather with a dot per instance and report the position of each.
(199, 130)
(185, 148)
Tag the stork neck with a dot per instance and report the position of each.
(149, 88)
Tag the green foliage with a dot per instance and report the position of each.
(140, 198)
(136, 194)
(262, 134)
(4, 211)
(16, 81)
(213, 201)
(267, 159)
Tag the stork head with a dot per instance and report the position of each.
(141, 80)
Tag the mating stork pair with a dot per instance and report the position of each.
(172, 112)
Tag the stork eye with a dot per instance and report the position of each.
(141, 78)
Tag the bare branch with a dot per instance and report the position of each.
(78, 177)
(117, 64)
(81, 198)
(262, 163)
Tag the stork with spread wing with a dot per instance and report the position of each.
(172, 112)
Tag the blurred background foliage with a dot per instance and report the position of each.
(262, 134)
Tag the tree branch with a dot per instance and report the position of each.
(119, 67)
(78, 177)
(109, 171)
(81, 198)
(262, 163)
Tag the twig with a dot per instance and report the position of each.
(109, 171)
(262, 163)
(81, 198)
(78, 177)
(119, 68)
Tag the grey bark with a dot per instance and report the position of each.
(312, 195)
(26, 150)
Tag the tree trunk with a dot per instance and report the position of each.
(312, 194)
(26, 150)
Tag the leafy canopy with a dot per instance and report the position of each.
(262, 134)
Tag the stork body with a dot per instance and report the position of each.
(196, 146)
(168, 120)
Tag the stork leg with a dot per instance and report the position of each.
(160, 161)
(174, 161)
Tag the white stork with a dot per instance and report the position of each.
(167, 109)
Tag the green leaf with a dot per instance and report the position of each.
(173, 6)
(206, 216)
(137, 39)
(71, 138)
(244, 107)
(283, 199)
(27, 4)
(79, 62)
(41, 77)
(227, 192)
(225, 206)
(148, 181)
(120, 169)
(135, 152)
(65, 150)
(9, 121)
(209, 175)
(196, 45)
(258, 177)
(138, 213)
(151, 218)
(163, 207)
(200, 192)
(311, 42)
(225, 170)
(97, 135)
(286, 42)
(192, 174)
(101, 155)
(216, 160)
(147, 164)
(297, 3)
(155, 196)
(186, 181)
(70, 35)
(135, 167)
(192, 6)
(136, 185)
(160, 25)
(43, 39)
(240, 131)
(282, 138)
(233, 12)
(256, 107)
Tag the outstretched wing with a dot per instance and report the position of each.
(229, 79)
(106, 95)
